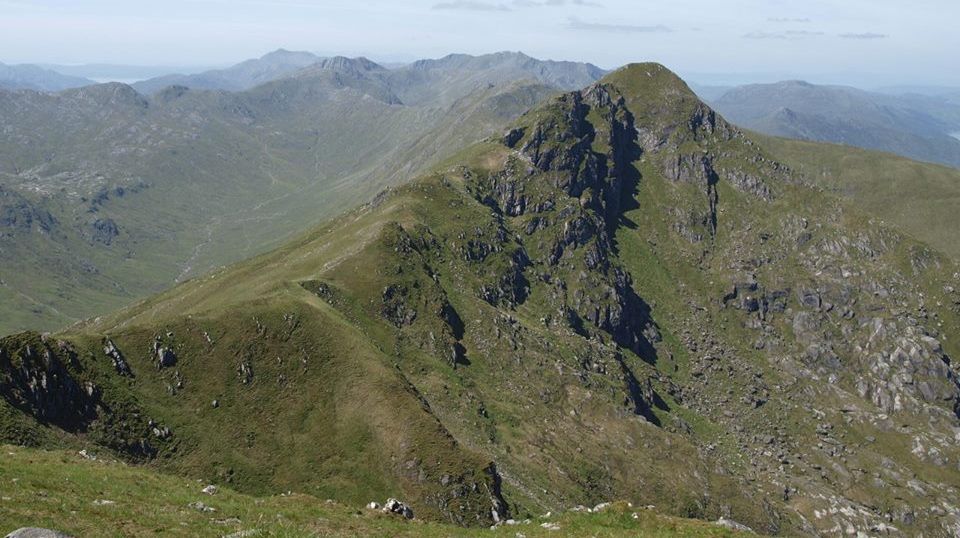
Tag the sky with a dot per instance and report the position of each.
(859, 42)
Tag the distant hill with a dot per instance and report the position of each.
(709, 92)
(912, 125)
(918, 90)
(32, 77)
(444, 78)
(126, 73)
(242, 76)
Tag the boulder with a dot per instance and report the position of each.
(393, 506)
(810, 299)
(243, 534)
(104, 231)
(512, 136)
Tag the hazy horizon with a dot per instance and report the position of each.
(859, 42)
(131, 73)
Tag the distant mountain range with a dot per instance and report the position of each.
(443, 79)
(918, 122)
(32, 77)
(242, 76)
(913, 125)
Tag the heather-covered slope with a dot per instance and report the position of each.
(623, 297)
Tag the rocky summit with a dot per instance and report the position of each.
(622, 298)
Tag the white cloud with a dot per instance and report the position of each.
(577, 24)
(864, 35)
(471, 5)
(789, 19)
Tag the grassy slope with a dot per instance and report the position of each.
(59, 490)
(919, 198)
(353, 239)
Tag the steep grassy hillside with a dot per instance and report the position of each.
(622, 297)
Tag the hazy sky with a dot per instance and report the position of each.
(854, 41)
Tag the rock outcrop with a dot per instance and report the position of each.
(37, 381)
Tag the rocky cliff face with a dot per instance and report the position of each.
(40, 384)
(562, 195)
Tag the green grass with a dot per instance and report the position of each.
(917, 198)
(64, 491)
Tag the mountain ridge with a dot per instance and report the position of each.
(282, 63)
(241, 76)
